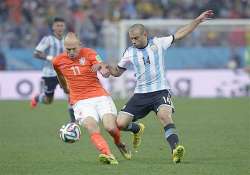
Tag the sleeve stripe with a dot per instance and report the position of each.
(173, 39)
(124, 51)
(121, 67)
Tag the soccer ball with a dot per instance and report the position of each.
(70, 133)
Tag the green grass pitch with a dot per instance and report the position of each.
(215, 133)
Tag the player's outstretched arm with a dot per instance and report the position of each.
(184, 31)
(102, 68)
(42, 55)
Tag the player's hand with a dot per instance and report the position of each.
(206, 15)
(96, 67)
(104, 71)
(106, 75)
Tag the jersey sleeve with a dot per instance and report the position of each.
(125, 60)
(43, 44)
(94, 57)
(165, 42)
(55, 61)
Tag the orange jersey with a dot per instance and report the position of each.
(81, 82)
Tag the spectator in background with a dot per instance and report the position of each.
(4, 11)
(2, 61)
(128, 9)
(237, 37)
(23, 15)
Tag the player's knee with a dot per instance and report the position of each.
(123, 121)
(165, 119)
(164, 112)
(91, 127)
(110, 129)
(121, 124)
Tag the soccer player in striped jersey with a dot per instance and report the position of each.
(49, 47)
(152, 92)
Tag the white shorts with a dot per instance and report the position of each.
(94, 107)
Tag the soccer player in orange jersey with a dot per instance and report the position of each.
(77, 74)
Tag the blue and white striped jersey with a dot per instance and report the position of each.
(53, 46)
(148, 64)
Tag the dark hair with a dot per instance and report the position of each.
(58, 19)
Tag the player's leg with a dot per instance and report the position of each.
(47, 96)
(171, 135)
(98, 140)
(50, 84)
(125, 123)
(71, 111)
(109, 123)
(135, 109)
(164, 108)
(108, 114)
(91, 126)
(87, 116)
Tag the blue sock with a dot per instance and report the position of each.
(133, 127)
(171, 135)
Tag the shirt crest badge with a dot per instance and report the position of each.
(82, 61)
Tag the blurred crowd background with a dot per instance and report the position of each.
(24, 22)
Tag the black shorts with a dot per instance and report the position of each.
(49, 85)
(141, 104)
